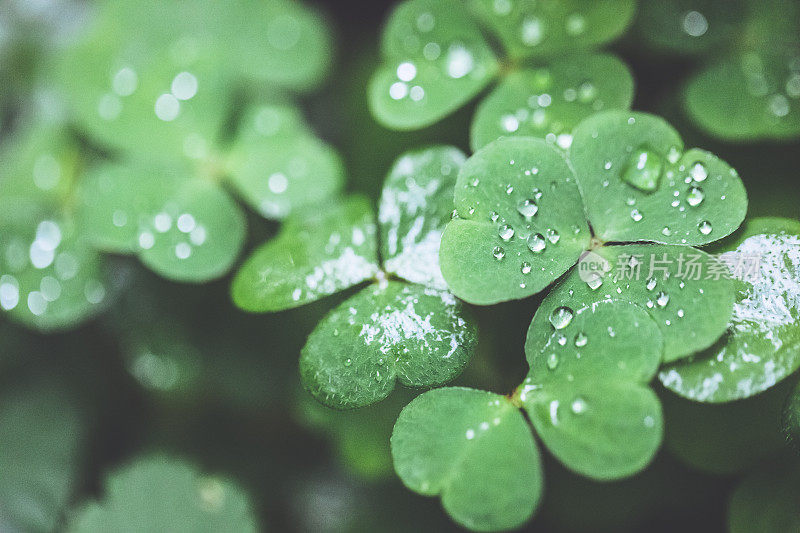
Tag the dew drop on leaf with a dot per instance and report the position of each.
(581, 340)
(506, 232)
(578, 405)
(498, 253)
(527, 208)
(536, 243)
(699, 172)
(644, 169)
(705, 227)
(552, 361)
(695, 196)
(526, 268)
(561, 317)
(662, 299)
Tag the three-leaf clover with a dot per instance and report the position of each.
(50, 276)
(524, 211)
(585, 396)
(437, 58)
(180, 114)
(405, 325)
(762, 344)
(158, 493)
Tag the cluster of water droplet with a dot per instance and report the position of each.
(778, 93)
(186, 232)
(533, 30)
(53, 266)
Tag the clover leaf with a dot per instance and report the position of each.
(414, 208)
(644, 186)
(475, 450)
(760, 87)
(165, 96)
(528, 28)
(521, 221)
(317, 253)
(184, 229)
(50, 278)
(766, 500)
(158, 493)
(410, 329)
(436, 59)
(761, 345)
(276, 164)
(686, 291)
(585, 396)
(549, 101)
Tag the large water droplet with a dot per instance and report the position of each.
(527, 208)
(705, 227)
(561, 317)
(695, 196)
(553, 236)
(699, 172)
(536, 243)
(644, 170)
(506, 232)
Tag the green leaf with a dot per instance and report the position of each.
(641, 185)
(145, 78)
(416, 204)
(157, 493)
(766, 501)
(319, 251)
(42, 433)
(690, 27)
(549, 101)
(277, 165)
(49, 278)
(279, 42)
(520, 222)
(435, 60)
(586, 393)
(762, 345)
(529, 28)
(749, 96)
(690, 313)
(388, 331)
(183, 229)
(474, 449)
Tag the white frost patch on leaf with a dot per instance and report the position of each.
(418, 262)
(763, 342)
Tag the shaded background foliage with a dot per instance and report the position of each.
(221, 388)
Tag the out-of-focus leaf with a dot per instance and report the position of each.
(549, 101)
(157, 493)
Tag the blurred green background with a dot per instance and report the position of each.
(176, 368)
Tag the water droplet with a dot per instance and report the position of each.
(698, 172)
(662, 299)
(498, 253)
(651, 283)
(506, 232)
(561, 317)
(705, 227)
(581, 340)
(552, 361)
(348, 362)
(578, 405)
(553, 236)
(509, 189)
(470, 434)
(527, 208)
(636, 215)
(587, 92)
(695, 196)
(644, 169)
(531, 31)
(666, 231)
(526, 268)
(494, 216)
(536, 243)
